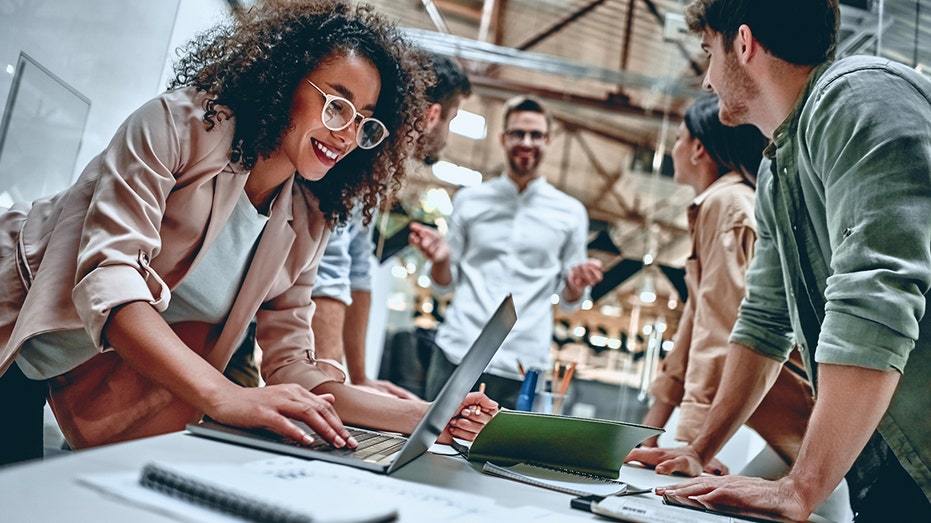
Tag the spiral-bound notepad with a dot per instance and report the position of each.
(259, 496)
(570, 482)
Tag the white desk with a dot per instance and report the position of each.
(47, 490)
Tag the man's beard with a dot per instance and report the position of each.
(735, 108)
(431, 149)
(518, 166)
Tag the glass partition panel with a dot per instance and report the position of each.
(40, 133)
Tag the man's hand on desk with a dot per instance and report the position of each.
(779, 500)
(474, 413)
(680, 461)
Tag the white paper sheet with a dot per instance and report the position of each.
(335, 492)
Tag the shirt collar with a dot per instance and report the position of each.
(533, 185)
(789, 126)
(723, 182)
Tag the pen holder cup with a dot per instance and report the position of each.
(549, 403)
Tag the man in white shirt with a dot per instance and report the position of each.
(513, 234)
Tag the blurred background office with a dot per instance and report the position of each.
(617, 75)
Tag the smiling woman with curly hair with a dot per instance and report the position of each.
(254, 66)
(123, 297)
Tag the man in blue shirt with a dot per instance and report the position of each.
(342, 290)
(849, 163)
(513, 234)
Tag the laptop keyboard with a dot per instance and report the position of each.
(374, 447)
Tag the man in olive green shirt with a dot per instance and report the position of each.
(842, 266)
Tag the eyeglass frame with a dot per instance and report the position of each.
(509, 134)
(356, 115)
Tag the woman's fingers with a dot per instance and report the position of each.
(474, 413)
(479, 399)
(276, 408)
(466, 428)
(318, 413)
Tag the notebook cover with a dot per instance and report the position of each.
(587, 445)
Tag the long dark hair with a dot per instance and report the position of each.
(253, 65)
(738, 149)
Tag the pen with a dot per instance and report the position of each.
(476, 409)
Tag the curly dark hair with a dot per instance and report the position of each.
(254, 64)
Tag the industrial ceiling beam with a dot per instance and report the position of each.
(559, 25)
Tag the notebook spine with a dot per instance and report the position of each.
(230, 502)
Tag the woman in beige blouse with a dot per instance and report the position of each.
(123, 297)
(720, 164)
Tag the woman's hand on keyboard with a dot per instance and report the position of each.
(274, 406)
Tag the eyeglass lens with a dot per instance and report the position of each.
(338, 113)
(519, 134)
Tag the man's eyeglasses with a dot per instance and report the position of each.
(339, 113)
(518, 135)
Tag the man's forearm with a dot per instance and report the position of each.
(571, 295)
(851, 402)
(354, 333)
(354, 406)
(657, 416)
(327, 325)
(441, 274)
(746, 378)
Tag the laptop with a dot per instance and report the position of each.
(384, 452)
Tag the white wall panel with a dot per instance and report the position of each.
(115, 53)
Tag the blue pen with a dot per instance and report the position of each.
(527, 390)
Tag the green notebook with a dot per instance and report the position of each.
(589, 446)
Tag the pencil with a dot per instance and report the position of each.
(520, 368)
(476, 409)
(567, 377)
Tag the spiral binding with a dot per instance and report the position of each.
(230, 502)
(590, 479)
(600, 479)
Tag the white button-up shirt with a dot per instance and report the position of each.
(504, 241)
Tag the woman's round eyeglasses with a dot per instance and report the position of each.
(338, 113)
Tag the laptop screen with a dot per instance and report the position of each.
(463, 378)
